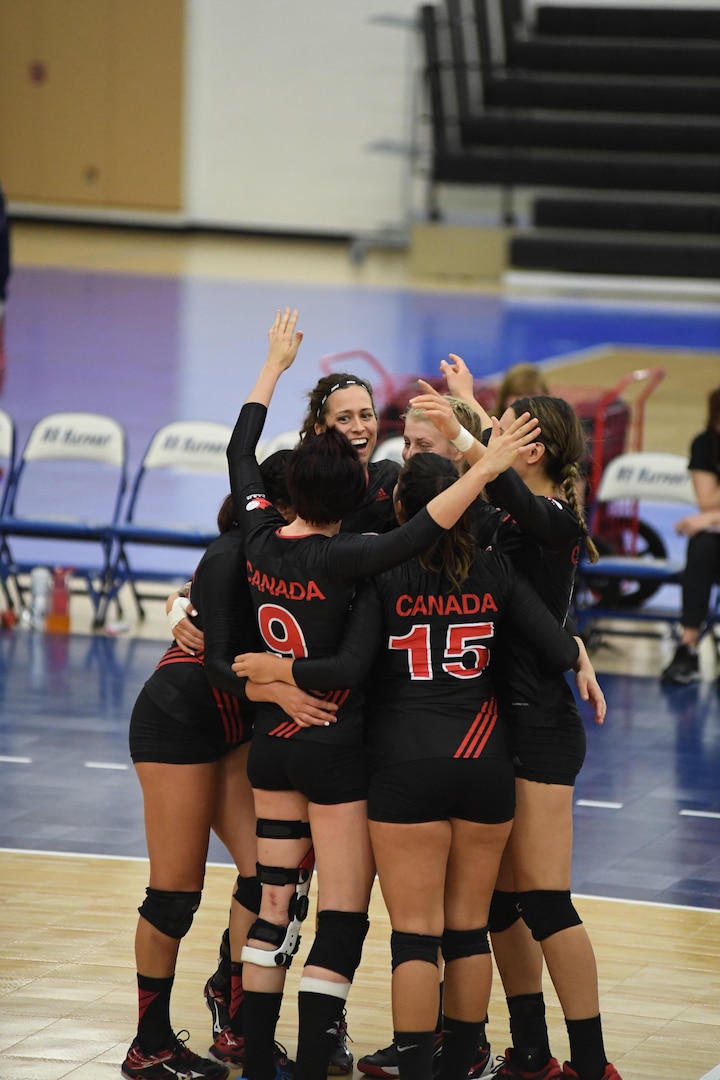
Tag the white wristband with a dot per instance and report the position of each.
(463, 440)
(178, 610)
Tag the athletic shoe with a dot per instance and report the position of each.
(175, 1061)
(384, 1063)
(219, 1006)
(610, 1073)
(684, 667)
(483, 1065)
(284, 1066)
(511, 1067)
(229, 1048)
(341, 1060)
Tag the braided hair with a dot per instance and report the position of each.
(562, 435)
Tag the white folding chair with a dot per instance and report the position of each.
(286, 440)
(631, 479)
(390, 450)
(172, 507)
(63, 497)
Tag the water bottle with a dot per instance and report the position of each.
(57, 620)
(39, 590)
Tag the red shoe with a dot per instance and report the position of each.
(610, 1073)
(513, 1070)
(175, 1060)
(228, 1048)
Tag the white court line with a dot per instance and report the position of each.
(16, 760)
(598, 803)
(105, 765)
(699, 813)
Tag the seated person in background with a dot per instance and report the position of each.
(702, 564)
(521, 380)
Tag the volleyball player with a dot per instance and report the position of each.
(541, 527)
(310, 784)
(189, 744)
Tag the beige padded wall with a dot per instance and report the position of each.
(91, 102)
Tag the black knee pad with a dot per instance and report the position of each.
(547, 911)
(404, 947)
(248, 893)
(338, 941)
(459, 943)
(170, 912)
(503, 911)
(275, 829)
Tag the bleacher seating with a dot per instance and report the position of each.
(619, 114)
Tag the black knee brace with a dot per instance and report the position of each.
(503, 911)
(547, 911)
(170, 912)
(248, 893)
(404, 947)
(274, 829)
(338, 942)
(459, 943)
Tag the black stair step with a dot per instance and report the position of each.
(593, 131)
(622, 94)
(619, 56)
(634, 215)
(521, 166)
(682, 21)
(636, 255)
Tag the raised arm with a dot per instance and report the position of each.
(284, 343)
(460, 383)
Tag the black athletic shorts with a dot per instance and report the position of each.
(550, 755)
(324, 773)
(156, 735)
(436, 789)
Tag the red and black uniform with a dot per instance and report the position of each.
(301, 589)
(541, 537)
(375, 513)
(193, 709)
(438, 744)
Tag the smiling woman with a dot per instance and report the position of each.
(346, 402)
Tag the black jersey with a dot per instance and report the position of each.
(301, 586)
(433, 692)
(184, 686)
(702, 453)
(375, 513)
(542, 537)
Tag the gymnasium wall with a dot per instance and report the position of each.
(274, 116)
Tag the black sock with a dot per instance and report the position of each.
(438, 1026)
(531, 1046)
(221, 977)
(415, 1054)
(260, 1015)
(236, 998)
(319, 1017)
(154, 1030)
(460, 1041)
(587, 1052)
